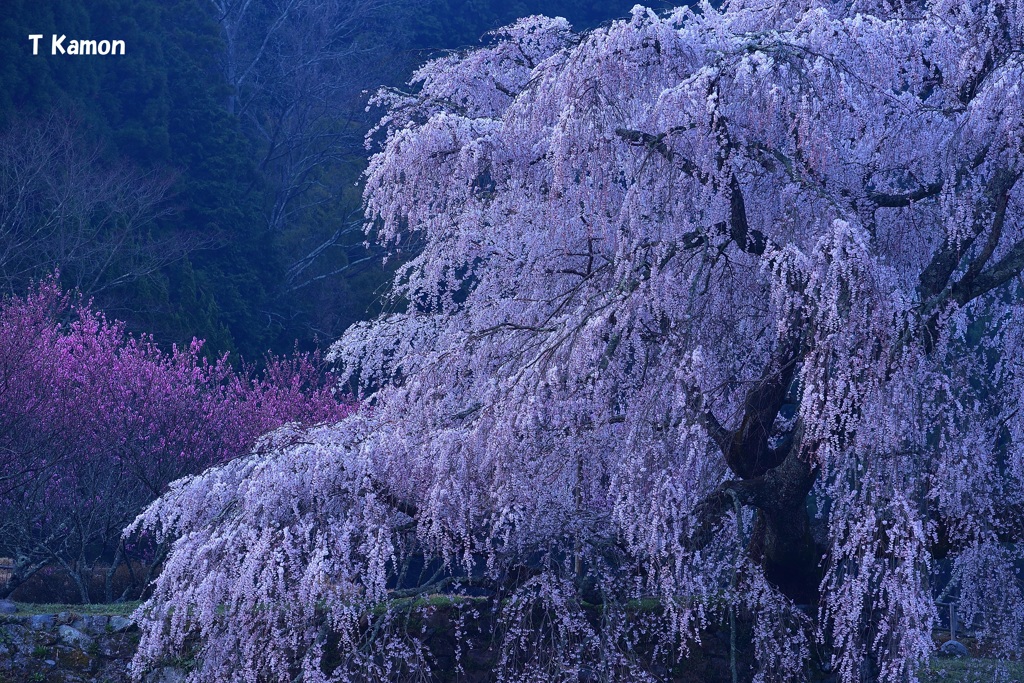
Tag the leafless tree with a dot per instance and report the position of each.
(64, 206)
(297, 70)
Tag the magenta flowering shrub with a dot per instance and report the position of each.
(95, 423)
(719, 312)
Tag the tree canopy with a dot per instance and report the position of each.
(718, 309)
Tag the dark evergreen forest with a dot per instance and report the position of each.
(207, 183)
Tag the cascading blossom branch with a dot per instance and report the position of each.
(718, 312)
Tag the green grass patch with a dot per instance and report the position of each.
(122, 609)
(973, 670)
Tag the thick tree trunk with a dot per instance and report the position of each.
(10, 586)
(80, 575)
(783, 545)
(782, 542)
(108, 578)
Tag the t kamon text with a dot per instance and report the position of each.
(61, 45)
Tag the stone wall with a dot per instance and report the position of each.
(70, 647)
(65, 648)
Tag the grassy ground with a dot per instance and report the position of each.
(973, 671)
(123, 609)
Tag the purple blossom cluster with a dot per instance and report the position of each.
(95, 423)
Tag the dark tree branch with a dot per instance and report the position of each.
(994, 235)
(748, 454)
(656, 143)
(405, 507)
(936, 276)
(1008, 267)
(747, 239)
(976, 283)
(970, 89)
(774, 491)
(444, 583)
(895, 201)
(718, 433)
(640, 139)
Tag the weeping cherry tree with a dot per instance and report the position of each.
(717, 320)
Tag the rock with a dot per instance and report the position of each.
(75, 660)
(167, 674)
(118, 624)
(7, 607)
(92, 624)
(954, 648)
(57, 655)
(70, 635)
(38, 622)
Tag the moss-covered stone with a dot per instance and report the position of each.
(32, 649)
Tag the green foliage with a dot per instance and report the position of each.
(34, 85)
(163, 108)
